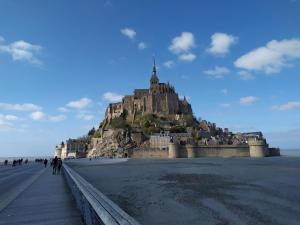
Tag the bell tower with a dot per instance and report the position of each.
(154, 79)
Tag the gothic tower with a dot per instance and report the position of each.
(154, 79)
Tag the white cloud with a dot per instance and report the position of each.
(5, 118)
(11, 118)
(63, 109)
(2, 39)
(189, 57)
(221, 43)
(22, 51)
(224, 91)
(225, 105)
(41, 116)
(37, 115)
(20, 107)
(217, 72)
(112, 97)
(245, 75)
(79, 104)
(57, 118)
(270, 58)
(142, 45)
(286, 107)
(183, 43)
(85, 116)
(169, 64)
(7, 122)
(249, 100)
(128, 32)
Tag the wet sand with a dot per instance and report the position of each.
(203, 190)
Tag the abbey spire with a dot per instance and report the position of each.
(154, 79)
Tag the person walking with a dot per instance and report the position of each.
(59, 165)
(45, 162)
(54, 165)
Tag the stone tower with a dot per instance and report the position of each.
(154, 79)
(258, 147)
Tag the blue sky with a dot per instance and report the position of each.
(61, 62)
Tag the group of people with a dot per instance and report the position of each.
(16, 162)
(56, 164)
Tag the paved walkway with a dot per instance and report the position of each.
(46, 201)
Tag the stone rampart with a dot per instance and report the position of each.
(190, 151)
(150, 153)
(257, 149)
(214, 151)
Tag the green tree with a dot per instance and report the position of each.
(189, 120)
(118, 122)
(178, 129)
(92, 132)
(149, 120)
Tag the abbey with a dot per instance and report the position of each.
(156, 123)
(160, 99)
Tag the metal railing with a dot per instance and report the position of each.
(94, 206)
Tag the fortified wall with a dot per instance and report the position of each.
(175, 150)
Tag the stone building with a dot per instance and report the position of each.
(162, 140)
(76, 148)
(159, 141)
(159, 98)
(59, 150)
(72, 148)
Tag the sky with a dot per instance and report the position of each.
(63, 61)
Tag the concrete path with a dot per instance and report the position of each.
(46, 201)
(14, 180)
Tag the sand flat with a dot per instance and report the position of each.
(201, 190)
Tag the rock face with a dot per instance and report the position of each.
(115, 142)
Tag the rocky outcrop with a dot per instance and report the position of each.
(115, 142)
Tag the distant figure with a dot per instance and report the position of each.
(14, 163)
(26, 161)
(59, 165)
(45, 162)
(54, 164)
(171, 140)
(5, 162)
